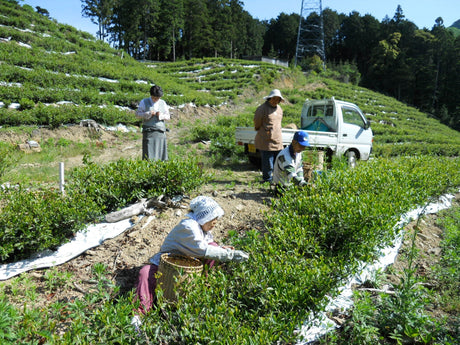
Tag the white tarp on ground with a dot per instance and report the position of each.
(93, 236)
(314, 328)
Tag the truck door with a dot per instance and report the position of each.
(354, 132)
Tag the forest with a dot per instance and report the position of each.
(418, 66)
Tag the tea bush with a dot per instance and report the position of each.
(447, 272)
(54, 117)
(122, 182)
(6, 159)
(33, 220)
(315, 238)
(405, 315)
(294, 265)
(37, 220)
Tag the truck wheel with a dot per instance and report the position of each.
(351, 156)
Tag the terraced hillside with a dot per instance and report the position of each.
(43, 62)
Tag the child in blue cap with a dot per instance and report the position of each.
(288, 167)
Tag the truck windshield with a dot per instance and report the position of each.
(320, 111)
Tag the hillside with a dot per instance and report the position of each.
(52, 77)
(45, 63)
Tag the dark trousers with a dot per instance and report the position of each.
(268, 161)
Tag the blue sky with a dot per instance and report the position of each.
(421, 12)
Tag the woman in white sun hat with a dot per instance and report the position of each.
(191, 237)
(269, 138)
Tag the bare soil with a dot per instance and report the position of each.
(124, 255)
(243, 203)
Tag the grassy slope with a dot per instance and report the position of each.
(43, 61)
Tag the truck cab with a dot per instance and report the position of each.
(342, 122)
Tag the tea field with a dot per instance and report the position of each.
(302, 246)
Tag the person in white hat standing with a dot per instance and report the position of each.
(191, 237)
(269, 138)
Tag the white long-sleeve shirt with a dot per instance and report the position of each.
(186, 238)
(288, 167)
(146, 106)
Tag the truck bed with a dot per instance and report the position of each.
(246, 135)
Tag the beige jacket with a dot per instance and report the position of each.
(267, 123)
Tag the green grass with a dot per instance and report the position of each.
(447, 272)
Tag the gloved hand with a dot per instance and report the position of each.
(221, 254)
(303, 183)
(240, 256)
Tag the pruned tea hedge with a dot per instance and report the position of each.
(315, 239)
(33, 220)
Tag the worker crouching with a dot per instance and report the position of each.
(288, 167)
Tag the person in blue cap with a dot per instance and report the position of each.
(288, 167)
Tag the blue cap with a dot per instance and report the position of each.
(302, 138)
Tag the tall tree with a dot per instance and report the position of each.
(356, 39)
(384, 60)
(133, 26)
(421, 61)
(100, 13)
(170, 24)
(252, 41)
(281, 36)
(198, 33)
(228, 24)
(446, 89)
(332, 21)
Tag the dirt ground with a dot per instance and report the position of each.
(243, 205)
(127, 253)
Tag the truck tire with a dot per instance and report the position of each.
(351, 157)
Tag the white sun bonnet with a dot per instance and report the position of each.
(205, 209)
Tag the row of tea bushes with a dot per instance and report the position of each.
(315, 239)
(32, 219)
(398, 128)
(47, 62)
(53, 117)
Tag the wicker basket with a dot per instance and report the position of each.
(173, 271)
(312, 161)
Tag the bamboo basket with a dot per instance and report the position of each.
(313, 160)
(173, 271)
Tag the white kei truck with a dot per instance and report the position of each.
(333, 126)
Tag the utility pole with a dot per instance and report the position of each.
(310, 36)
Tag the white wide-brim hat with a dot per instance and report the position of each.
(274, 93)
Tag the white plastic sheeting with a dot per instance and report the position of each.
(314, 328)
(93, 236)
